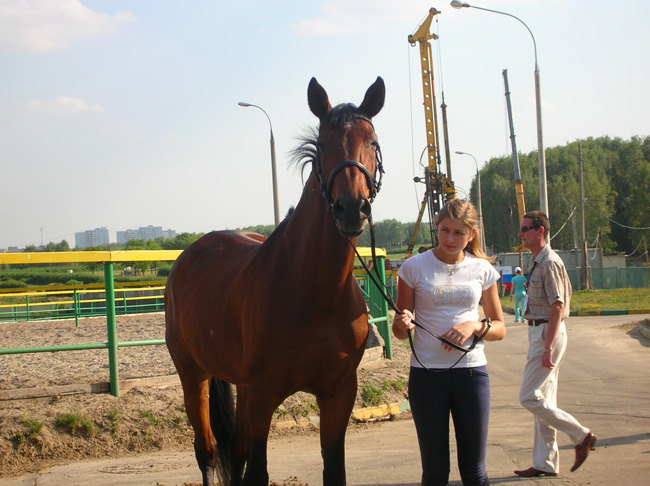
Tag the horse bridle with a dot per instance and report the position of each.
(374, 184)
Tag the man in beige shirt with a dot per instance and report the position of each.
(547, 304)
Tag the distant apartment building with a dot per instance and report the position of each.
(95, 237)
(144, 233)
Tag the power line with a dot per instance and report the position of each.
(616, 222)
(567, 220)
(637, 247)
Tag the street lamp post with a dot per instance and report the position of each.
(541, 157)
(481, 227)
(276, 209)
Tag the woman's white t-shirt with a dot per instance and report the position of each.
(446, 295)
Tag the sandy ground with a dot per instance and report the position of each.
(41, 432)
(604, 383)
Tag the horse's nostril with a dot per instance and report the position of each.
(352, 210)
(365, 209)
(338, 210)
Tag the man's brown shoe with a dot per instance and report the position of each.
(531, 472)
(582, 450)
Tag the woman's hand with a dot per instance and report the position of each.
(403, 323)
(461, 333)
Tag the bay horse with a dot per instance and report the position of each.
(280, 315)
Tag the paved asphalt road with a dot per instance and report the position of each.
(604, 382)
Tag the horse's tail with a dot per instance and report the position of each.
(222, 423)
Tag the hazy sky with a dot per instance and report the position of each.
(124, 114)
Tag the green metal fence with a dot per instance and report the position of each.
(78, 303)
(111, 307)
(614, 278)
(377, 304)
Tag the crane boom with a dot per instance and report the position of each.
(422, 37)
(438, 186)
(519, 185)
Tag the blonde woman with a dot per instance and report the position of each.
(441, 289)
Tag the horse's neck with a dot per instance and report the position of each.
(312, 237)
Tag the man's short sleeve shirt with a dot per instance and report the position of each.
(548, 283)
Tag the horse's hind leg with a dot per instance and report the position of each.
(196, 393)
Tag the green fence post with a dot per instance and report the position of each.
(384, 330)
(27, 307)
(75, 307)
(111, 328)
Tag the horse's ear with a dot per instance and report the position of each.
(374, 99)
(318, 101)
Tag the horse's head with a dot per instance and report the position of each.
(347, 164)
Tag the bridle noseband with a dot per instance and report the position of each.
(374, 184)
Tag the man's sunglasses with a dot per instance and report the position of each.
(526, 228)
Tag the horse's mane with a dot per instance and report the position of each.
(307, 150)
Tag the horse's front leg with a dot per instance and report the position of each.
(335, 410)
(255, 419)
(238, 459)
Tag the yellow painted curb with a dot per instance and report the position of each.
(360, 414)
(380, 411)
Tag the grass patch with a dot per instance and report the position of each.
(371, 395)
(304, 409)
(32, 430)
(614, 299)
(399, 384)
(114, 420)
(603, 299)
(179, 420)
(149, 417)
(75, 423)
(34, 426)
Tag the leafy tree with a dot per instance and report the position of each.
(615, 174)
(181, 241)
(142, 245)
(263, 229)
(629, 164)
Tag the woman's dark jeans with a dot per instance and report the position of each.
(465, 392)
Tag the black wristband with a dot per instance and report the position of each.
(487, 321)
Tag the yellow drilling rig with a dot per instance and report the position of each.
(438, 186)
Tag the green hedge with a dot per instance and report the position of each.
(13, 278)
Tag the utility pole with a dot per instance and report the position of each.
(586, 271)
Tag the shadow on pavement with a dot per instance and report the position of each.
(616, 441)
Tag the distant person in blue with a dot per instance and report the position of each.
(519, 292)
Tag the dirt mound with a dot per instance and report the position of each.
(42, 432)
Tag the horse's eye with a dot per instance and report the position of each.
(374, 144)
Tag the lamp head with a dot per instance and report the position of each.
(457, 4)
(241, 103)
